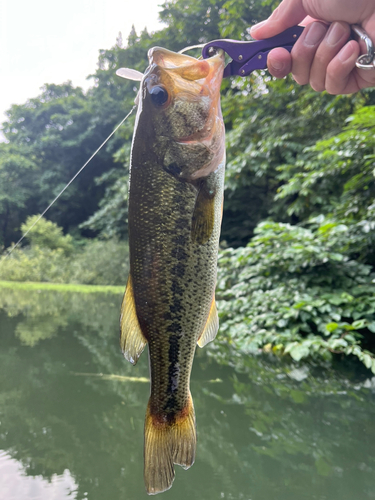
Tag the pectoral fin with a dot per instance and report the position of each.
(132, 340)
(211, 327)
(204, 215)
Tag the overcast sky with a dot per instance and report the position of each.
(49, 41)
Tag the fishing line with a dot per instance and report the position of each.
(200, 46)
(69, 183)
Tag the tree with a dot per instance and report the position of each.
(46, 234)
(16, 187)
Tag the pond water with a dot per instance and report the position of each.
(72, 413)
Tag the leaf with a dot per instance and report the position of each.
(298, 352)
(361, 323)
(298, 396)
(330, 327)
(367, 360)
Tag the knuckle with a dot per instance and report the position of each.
(317, 86)
(300, 79)
(334, 87)
(301, 73)
(300, 52)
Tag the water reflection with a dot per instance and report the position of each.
(15, 485)
(71, 407)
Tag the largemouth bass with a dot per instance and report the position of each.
(175, 209)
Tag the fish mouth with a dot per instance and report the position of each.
(186, 66)
(185, 73)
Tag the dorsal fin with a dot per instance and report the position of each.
(211, 326)
(132, 340)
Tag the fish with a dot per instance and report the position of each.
(176, 186)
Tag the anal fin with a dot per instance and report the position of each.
(132, 340)
(211, 327)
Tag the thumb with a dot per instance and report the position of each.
(287, 14)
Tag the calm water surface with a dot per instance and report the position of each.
(72, 412)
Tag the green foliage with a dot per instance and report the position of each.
(336, 175)
(238, 15)
(50, 138)
(97, 263)
(295, 290)
(111, 219)
(46, 234)
(269, 124)
(189, 23)
(16, 169)
(60, 287)
(100, 263)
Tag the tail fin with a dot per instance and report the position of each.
(167, 444)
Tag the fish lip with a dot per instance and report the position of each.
(188, 67)
(161, 54)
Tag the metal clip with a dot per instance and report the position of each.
(365, 61)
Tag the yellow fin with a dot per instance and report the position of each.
(211, 326)
(203, 216)
(132, 340)
(167, 444)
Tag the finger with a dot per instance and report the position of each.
(287, 14)
(304, 50)
(309, 20)
(341, 73)
(336, 37)
(279, 62)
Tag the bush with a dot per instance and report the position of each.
(100, 263)
(295, 291)
(33, 264)
(97, 263)
(47, 234)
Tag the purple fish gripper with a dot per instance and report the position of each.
(249, 56)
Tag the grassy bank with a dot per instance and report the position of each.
(62, 287)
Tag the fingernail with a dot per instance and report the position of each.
(315, 34)
(335, 33)
(256, 26)
(346, 52)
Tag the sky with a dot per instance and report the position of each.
(16, 484)
(49, 41)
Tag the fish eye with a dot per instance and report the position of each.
(159, 95)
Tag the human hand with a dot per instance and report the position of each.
(323, 55)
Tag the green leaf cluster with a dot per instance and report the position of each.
(46, 234)
(55, 260)
(294, 290)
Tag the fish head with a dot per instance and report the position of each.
(181, 102)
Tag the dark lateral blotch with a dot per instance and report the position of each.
(173, 169)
